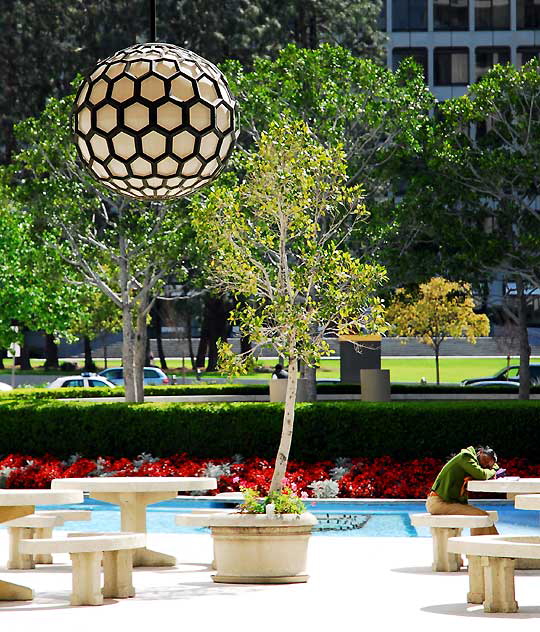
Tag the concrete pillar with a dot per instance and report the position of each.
(499, 584)
(443, 561)
(476, 592)
(278, 390)
(375, 385)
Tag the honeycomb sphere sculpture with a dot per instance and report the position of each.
(154, 121)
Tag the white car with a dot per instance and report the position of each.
(81, 381)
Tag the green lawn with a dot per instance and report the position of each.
(401, 369)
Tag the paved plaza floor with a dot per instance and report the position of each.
(356, 584)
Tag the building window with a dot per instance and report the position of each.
(528, 14)
(381, 20)
(409, 15)
(418, 54)
(526, 53)
(451, 66)
(492, 15)
(451, 15)
(486, 58)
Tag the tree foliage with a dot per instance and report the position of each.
(278, 239)
(121, 248)
(440, 309)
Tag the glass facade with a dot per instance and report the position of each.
(492, 15)
(409, 15)
(451, 66)
(486, 58)
(526, 53)
(418, 54)
(451, 15)
(528, 14)
(381, 20)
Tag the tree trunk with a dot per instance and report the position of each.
(437, 370)
(89, 364)
(524, 348)
(128, 340)
(200, 361)
(216, 314)
(24, 358)
(158, 323)
(148, 355)
(139, 355)
(128, 334)
(51, 352)
(190, 342)
(282, 457)
(2, 356)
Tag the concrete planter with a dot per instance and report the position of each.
(260, 549)
(278, 390)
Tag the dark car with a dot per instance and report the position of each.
(509, 374)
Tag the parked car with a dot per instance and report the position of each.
(502, 384)
(81, 381)
(152, 375)
(509, 374)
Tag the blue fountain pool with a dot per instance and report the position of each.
(354, 518)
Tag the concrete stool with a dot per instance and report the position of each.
(62, 516)
(87, 552)
(492, 561)
(445, 527)
(28, 527)
(38, 525)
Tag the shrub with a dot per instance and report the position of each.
(324, 430)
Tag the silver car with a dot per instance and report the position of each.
(81, 381)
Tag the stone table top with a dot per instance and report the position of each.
(22, 497)
(530, 501)
(506, 486)
(136, 484)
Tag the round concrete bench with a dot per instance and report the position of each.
(491, 567)
(38, 525)
(445, 527)
(87, 552)
(62, 516)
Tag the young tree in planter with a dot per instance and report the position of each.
(279, 239)
(439, 310)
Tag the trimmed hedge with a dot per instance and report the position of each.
(324, 430)
(336, 388)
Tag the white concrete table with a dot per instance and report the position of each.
(511, 487)
(16, 503)
(133, 494)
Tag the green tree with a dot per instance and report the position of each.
(379, 117)
(33, 289)
(489, 148)
(121, 248)
(438, 310)
(279, 239)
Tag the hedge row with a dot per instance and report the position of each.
(336, 388)
(324, 430)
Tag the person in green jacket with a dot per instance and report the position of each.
(448, 495)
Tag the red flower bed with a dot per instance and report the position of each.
(359, 478)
